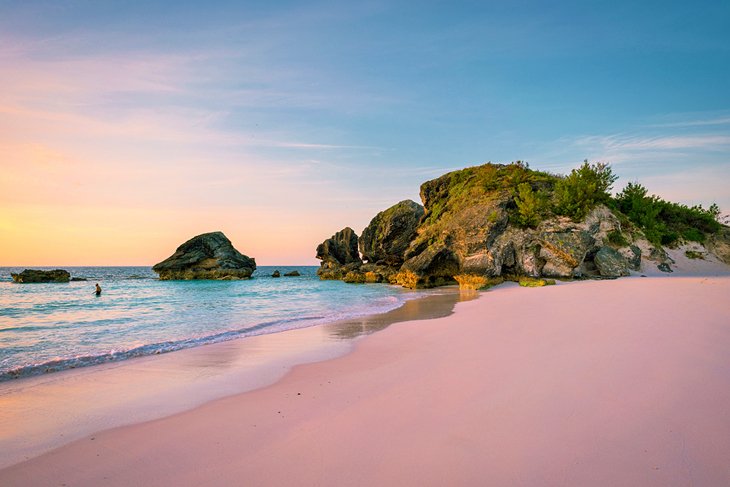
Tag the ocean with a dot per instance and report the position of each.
(51, 327)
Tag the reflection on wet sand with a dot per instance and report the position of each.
(431, 307)
(42, 412)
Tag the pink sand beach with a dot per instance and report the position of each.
(620, 383)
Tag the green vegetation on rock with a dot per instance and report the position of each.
(693, 254)
(583, 189)
(665, 223)
(535, 282)
(473, 282)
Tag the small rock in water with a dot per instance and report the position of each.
(292, 274)
(33, 275)
(276, 274)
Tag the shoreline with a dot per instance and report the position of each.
(43, 412)
(619, 382)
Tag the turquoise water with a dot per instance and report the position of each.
(50, 327)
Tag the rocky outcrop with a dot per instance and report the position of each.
(470, 225)
(33, 275)
(386, 239)
(207, 256)
(292, 274)
(339, 255)
(276, 274)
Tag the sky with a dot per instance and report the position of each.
(128, 127)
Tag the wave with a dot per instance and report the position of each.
(59, 364)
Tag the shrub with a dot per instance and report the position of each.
(531, 206)
(693, 254)
(584, 188)
(615, 237)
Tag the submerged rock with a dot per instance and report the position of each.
(207, 256)
(34, 275)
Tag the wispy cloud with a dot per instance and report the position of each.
(620, 142)
(694, 123)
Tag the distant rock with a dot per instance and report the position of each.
(207, 256)
(276, 274)
(339, 254)
(74, 279)
(292, 274)
(389, 234)
(610, 263)
(33, 275)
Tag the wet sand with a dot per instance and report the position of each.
(622, 382)
(40, 413)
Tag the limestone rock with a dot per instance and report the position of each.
(632, 254)
(292, 274)
(340, 248)
(207, 256)
(434, 267)
(564, 251)
(339, 254)
(610, 263)
(34, 275)
(387, 237)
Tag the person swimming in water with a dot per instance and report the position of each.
(98, 289)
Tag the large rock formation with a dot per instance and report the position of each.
(207, 256)
(468, 226)
(33, 275)
(339, 255)
(386, 239)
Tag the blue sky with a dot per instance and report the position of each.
(301, 118)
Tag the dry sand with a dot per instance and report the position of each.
(622, 382)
